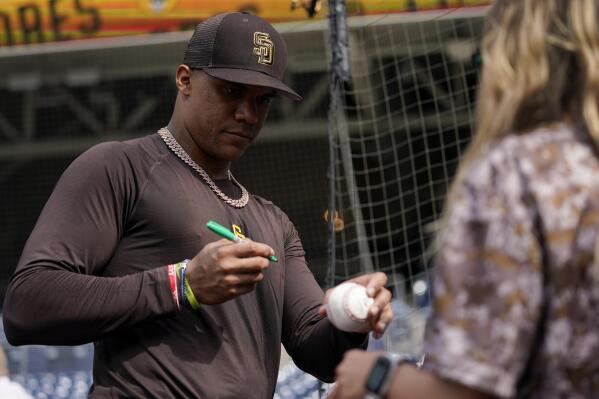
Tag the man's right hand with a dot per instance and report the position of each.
(223, 270)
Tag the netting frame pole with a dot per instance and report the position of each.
(338, 128)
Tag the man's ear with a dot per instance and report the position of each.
(183, 79)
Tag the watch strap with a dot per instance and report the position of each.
(395, 359)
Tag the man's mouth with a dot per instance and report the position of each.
(241, 134)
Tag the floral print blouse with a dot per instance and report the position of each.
(529, 203)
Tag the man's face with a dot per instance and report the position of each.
(223, 118)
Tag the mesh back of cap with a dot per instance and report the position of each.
(199, 48)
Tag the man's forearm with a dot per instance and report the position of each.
(46, 306)
(322, 350)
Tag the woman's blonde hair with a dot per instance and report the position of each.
(540, 65)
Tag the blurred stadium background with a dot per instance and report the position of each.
(361, 165)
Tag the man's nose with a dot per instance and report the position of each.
(247, 111)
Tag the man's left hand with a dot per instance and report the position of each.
(380, 313)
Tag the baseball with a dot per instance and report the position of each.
(347, 307)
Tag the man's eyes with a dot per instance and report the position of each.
(267, 99)
(233, 91)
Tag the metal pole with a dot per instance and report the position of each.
(339, 136)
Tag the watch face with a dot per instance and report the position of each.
(377, 376)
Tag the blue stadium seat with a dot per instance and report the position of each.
(293, 383)
(61, 385)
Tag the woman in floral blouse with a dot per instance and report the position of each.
(516, 291)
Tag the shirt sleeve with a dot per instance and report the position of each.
(57, 294)
(487, 289)
(315, 345)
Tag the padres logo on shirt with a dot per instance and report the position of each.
(264, 48)
(237, 232)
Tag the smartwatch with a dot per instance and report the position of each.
(381, 373)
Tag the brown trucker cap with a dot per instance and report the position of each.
(240, 48)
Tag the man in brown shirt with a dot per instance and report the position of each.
(106, 261)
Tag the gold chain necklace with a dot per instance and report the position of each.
(176, 148)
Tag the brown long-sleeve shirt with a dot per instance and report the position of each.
(94, 269)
